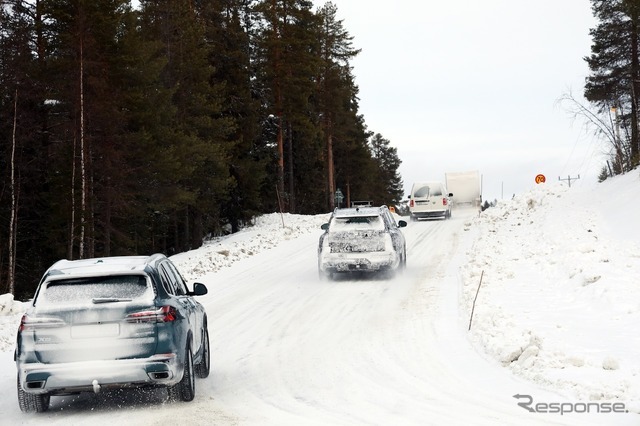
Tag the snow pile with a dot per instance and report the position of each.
(559, 302)
(268, 231)
(10, 313)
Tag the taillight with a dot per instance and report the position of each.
(412, 203)
(163, 314)
(444, 201)
(31, 323)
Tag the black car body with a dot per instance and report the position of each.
(113, 322)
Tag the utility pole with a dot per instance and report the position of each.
(569, 179)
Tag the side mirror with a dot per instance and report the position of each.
(199, 290)
(402, 224)
(324, 226)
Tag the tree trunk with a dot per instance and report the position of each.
(83, 171)
(278, 97)
(330, 181)
(280, 156)
(13, 221)
(107, 223)
(72, 227)
(635, 75)
(291, 198)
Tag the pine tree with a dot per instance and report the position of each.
(94, 80)
(228, 32)
(287, 66)
(615, 69)
(354, 167)
(24, 142)
(336, 51)
(195, 177)
(389, 186)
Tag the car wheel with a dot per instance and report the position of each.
(32, 403)
(204, 366)
(185, 389)
(402, 264)
(324, 276)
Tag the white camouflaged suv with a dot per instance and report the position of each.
(364, 239)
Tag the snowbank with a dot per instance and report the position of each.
(10, 313)
(559, 302)
(267, 232)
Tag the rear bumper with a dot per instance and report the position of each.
(92, 376)
(345, 262)
(429, 213)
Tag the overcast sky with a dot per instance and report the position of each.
(473, 85)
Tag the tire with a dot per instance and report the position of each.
(204, 366)
(32, 403)
(325, 276)
(402, 265)
(185, 389)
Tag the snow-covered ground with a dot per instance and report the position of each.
(559, 302)
(555, 276)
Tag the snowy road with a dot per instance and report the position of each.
(290, 349)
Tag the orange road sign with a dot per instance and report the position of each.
(541, 179)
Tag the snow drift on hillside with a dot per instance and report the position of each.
(559, 302)
(266, 232)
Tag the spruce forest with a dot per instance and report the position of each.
(150, 128)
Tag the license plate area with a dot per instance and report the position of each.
(89, 331)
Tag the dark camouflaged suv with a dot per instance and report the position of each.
(113, 322)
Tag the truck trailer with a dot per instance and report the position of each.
(466, 188)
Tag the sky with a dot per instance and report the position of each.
(536, 299)
(469, 85)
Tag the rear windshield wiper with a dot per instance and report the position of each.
(97, 300)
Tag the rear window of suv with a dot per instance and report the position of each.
(95, 290)
(355, 223)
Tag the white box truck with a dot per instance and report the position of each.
(466, 188)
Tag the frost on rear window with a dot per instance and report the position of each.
(83, 291)
(428, 191)
(422, 192)
(357, 223)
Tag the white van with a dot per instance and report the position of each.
(429, 199)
